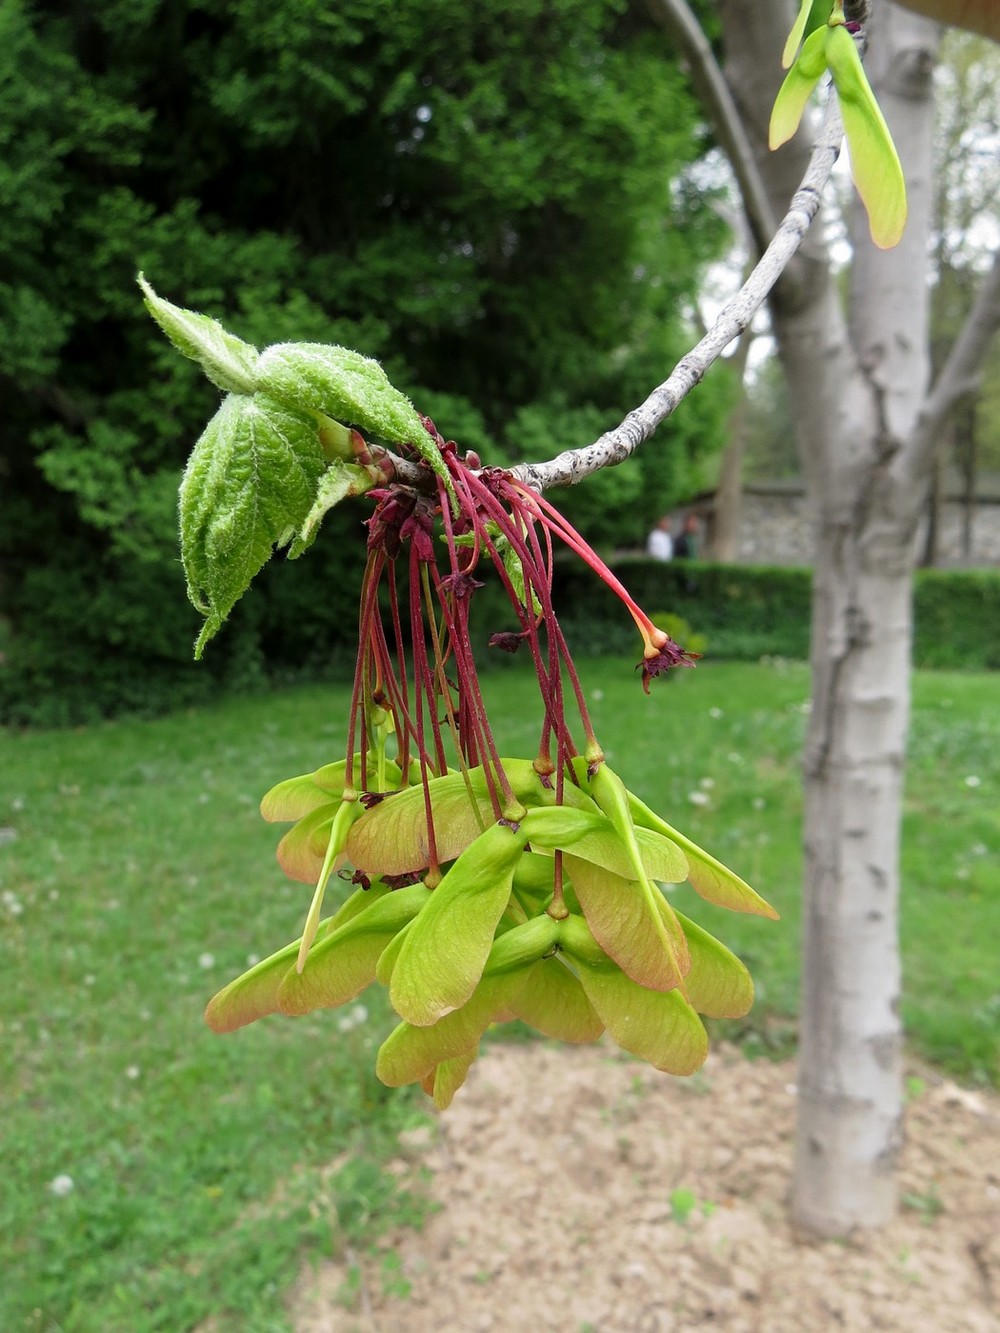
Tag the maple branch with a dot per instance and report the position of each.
(616, 445)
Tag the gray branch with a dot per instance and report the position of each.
(615, 446)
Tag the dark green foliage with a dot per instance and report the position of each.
(752, 611)
(491, 199)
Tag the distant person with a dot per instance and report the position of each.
(659, 543)
(686, 545)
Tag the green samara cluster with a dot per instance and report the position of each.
(553, 914)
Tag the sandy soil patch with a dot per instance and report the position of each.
(557, 1172)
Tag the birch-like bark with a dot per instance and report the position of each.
(856, 394)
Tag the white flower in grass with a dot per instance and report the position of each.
(206, 960)
(973, 781)
(61, 1185)
(698, 797)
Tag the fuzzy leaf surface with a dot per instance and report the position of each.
(248, 486)
(227, 361)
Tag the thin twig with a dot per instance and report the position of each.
(615, 446)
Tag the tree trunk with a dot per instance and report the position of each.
(856, 393)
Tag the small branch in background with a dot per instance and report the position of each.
(712, 89)
(961, 372)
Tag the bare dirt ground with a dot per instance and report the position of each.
(557, 1172)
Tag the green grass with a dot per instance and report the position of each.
(141, 878)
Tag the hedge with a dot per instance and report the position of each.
(286, 629)
(752, 611)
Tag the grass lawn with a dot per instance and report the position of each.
(136, 877)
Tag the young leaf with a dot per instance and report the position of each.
(226, 360)
(659, 1027)
(339, 481)
(875, 166)
(345, 385)
(625, 919)
(715, 882)
(343, 962)
(351, 388)
(443, 956)
(797, 88)
(248, 486)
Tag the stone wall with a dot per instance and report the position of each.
(777, 528)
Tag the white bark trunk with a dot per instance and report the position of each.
(856, 395)
(850, 1076)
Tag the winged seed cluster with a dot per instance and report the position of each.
(487, 888)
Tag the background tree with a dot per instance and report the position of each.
(493, 200)
(866, 424)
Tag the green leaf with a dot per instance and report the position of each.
(660, 1027)
(875, 166)
(337, 483)
(343, 962)
(718, 983)
(625, 918)
(249, 484)
(715, 882)
(797, 88)
(553, 1001)
(226, 360)
(443, 956)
